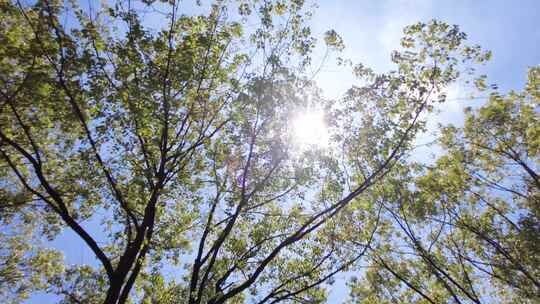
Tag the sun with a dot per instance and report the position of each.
(310, 130)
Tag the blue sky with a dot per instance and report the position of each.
(372, 29)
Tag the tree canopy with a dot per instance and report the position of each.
(173, 128)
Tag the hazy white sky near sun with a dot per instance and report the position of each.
(372, 29)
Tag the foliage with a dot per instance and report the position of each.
(177, 139)
(467, 226)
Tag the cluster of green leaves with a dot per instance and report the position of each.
(466, 229)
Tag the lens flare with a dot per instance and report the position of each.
(310, 130)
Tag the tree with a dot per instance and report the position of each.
(469, 223)
(178, 139)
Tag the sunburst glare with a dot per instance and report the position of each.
(310, 130)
